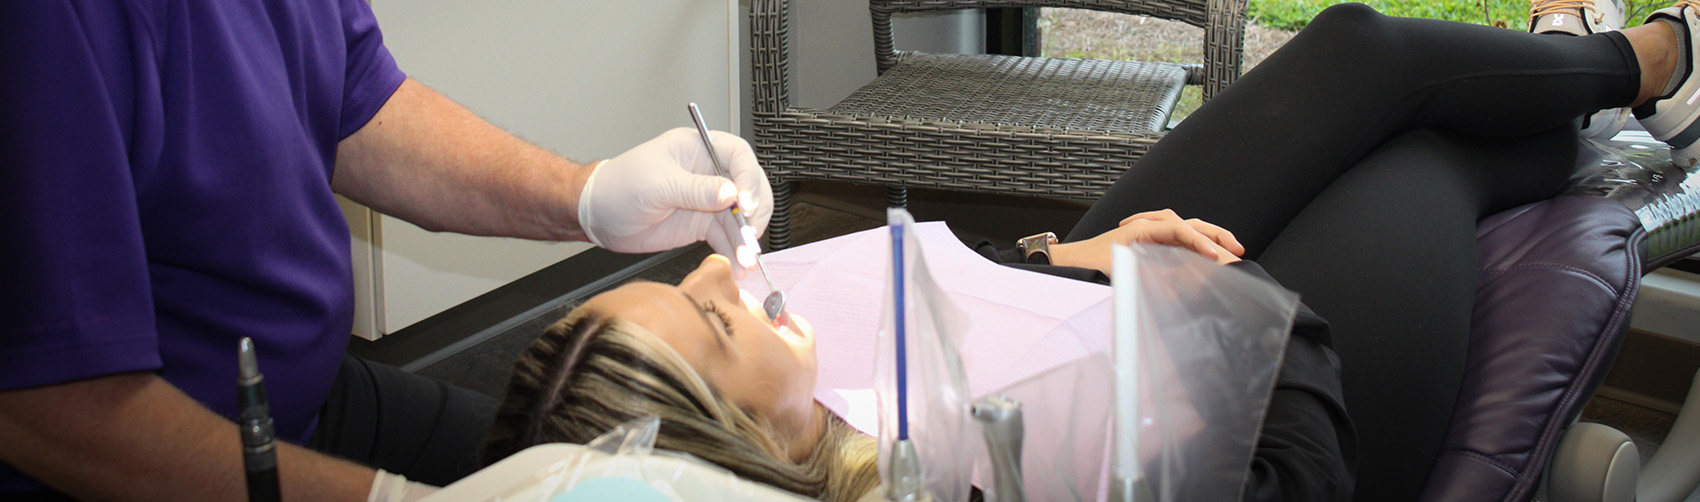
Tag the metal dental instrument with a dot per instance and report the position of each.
(1000, 421)
(259, 453)
(774, 305)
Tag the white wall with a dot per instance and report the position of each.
(832, 45)
(584, 78)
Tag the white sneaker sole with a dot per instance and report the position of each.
(1606, 123)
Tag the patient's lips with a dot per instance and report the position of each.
(753, 304)
(797, 326)
(786, 325)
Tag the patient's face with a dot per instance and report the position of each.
(721, 331)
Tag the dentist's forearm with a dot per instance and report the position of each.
(426, 159)
(134, 436)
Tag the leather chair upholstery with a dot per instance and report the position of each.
(1556, 282)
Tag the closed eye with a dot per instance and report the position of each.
(725, 320)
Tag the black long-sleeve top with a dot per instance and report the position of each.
(1307, 449)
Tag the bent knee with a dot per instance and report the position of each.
(1355, 16)
(1350, 36)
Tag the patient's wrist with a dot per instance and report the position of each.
(1070, 254)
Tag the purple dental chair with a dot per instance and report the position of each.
(1557, 281)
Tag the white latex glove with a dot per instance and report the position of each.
(664, 194)
(392, 487)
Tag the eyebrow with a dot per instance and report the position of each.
(719, 338)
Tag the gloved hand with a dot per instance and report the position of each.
(392, 487)
(664, 194)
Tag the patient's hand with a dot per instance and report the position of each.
(1155, 227)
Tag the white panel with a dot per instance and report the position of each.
(586, 79)
(366, 296)
(953, 32)
(832, 45)
(832, 51)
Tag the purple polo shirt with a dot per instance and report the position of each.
(165, 176)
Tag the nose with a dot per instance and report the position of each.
(712, 277)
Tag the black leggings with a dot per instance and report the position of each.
(1353, 165)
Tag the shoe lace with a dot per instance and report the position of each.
(1538, 8)
(1692, 4)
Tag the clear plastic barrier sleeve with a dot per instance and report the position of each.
(1210, 340)
(926, 442)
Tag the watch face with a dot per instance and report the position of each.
(1036, 249)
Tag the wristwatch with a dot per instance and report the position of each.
(1036, 248)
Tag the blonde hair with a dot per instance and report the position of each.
(589, 373)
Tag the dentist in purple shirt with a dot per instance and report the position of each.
(167, 170)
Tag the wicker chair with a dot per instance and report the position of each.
(1044, 127)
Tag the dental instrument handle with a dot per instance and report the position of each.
(774, 304)
(702, 129)
(900, 325)
(762, 266)
(1124, 351)
(1000, 421)
(720, 169)
(259, 452)
(1127, 480)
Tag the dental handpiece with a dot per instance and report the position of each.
(1000, 421)
(259, 452)
(774, 305)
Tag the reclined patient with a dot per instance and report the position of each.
(1352, 165)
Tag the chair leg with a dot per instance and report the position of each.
(779, 228)
(896, 196)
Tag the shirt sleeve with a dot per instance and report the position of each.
(372, 75)
(77, 299)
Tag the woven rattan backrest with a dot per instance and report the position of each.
(770, 58)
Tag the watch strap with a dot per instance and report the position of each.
(1036, 248)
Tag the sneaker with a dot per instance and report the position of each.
(1605, 124)
(1575, 17)
(1671, 118)
(1578, 18)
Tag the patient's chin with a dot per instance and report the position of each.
(798, 331)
